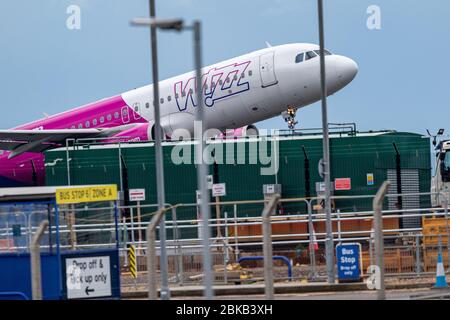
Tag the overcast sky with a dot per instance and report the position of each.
(403, 71)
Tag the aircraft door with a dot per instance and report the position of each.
(137, 111)
(267, 69)
(125, 114)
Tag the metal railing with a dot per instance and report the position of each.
(407, 250)
(184, 253)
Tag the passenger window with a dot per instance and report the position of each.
(161, 100)
(109, 117)
(299, 57)
(94, 122)
(169, 98)
(116, 115)
(250, 73)
(80, 126)
(102, 119)
(147, 105)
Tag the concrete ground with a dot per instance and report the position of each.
(405, 294)
(401, 289)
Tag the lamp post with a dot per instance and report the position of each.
(329, 246)
(165, 291)
(202, 167)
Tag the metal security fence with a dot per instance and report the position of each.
(81, 226)
(298, 234)
(87, 225)
(18, 223)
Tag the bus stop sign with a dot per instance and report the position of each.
(349, 262)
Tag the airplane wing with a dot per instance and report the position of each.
(20, 141)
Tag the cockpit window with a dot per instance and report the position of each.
(327, 53)
(310, 55)
(299, 57)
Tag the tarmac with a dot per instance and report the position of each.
(280, 288)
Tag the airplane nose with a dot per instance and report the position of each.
(346, 70)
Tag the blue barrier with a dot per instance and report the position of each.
(282, 258)
(13, 294)
(15, 275)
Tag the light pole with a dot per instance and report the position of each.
(202, 167)
(165, 291)
(329, 246)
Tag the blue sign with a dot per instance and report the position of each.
(348, 261)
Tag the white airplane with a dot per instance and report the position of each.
(237, 93)
(246, 89)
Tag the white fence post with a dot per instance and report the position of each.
(267, 246)
(35, 255)
(378, 226)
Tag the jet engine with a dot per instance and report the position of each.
(245, 131)
(136, 132)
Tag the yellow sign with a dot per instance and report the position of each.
(86, 194)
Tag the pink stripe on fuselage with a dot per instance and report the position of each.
(107, 113)
(109, 109)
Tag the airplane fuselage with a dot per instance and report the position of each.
(236, 93)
